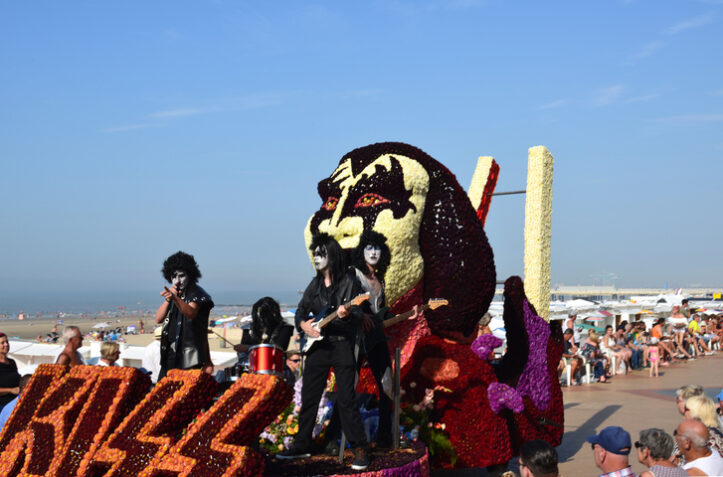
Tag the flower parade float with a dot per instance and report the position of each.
(460, 408)
(439, 250)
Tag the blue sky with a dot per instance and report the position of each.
(133, 129)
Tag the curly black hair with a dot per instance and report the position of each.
(370, 237)
(181, 261)
(334, 252)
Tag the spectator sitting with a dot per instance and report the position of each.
(569, 356)
(696, 331)
(610, 348)
(719, 408)
(666, 346)
(109, 353)
(591, 351)
(654, 449)
(538, 459)
(692, 438)
(702, 408)
(709, 338)
(8, 408)
(611, 449)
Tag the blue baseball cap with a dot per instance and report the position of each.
(613, 439)
(720, 395)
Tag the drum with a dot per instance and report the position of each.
(266, 359)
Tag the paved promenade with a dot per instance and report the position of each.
(634, 402)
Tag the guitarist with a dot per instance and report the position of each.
(371, 259)
(332, 286)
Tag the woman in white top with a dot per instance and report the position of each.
(610, 348)
(109, 353)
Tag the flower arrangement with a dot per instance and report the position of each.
(218, 443)
(279, 435)
(44, 437)
(484, 181)
(46, 378)
(538, 231)
(420, 424)
(150, 430)
(116, 392)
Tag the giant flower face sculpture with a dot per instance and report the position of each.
(438, 246)
(386, 195)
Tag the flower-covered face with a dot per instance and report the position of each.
(180, 279)
(321, 260)
(372, 254)
(387, 196)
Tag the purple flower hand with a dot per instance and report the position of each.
(484, 345)
(502, 396)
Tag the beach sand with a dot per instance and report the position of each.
(29, 329)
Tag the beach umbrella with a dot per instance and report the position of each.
(101, 325)
(596, 316)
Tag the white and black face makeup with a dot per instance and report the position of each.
(372, 254)
(321, 261)
(180, 279)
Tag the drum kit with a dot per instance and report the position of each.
(263, 359)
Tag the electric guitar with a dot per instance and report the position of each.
(307, 342)
(376, 335)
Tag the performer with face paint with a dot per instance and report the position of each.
(267, 327)
(332, 286)
(184, 314)
(371, 259)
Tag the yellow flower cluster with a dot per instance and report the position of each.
(538, 230)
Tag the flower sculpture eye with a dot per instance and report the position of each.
(370, 199)
(330, 203)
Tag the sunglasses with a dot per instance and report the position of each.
(639, 445)
(295, 360)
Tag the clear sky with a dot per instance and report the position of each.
(133, 129)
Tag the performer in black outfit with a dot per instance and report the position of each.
(371, 259)
(267, 327)
(333, 286)
(184, 314)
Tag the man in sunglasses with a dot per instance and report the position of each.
(611, 449)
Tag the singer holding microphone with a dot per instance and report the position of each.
(184, 313)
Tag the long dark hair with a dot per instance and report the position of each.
(370, 237)
(334, 253)
(266, 316)
(181, 261)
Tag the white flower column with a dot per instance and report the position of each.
(538, 229)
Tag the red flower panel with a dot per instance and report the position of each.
(147, 433)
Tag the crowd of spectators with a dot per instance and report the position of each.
(632, 346)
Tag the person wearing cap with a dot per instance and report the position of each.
(611, 449)
(654, 449)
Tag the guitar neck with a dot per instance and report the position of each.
(325, 321)
(402, 317)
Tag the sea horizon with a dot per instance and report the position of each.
(95, 302)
